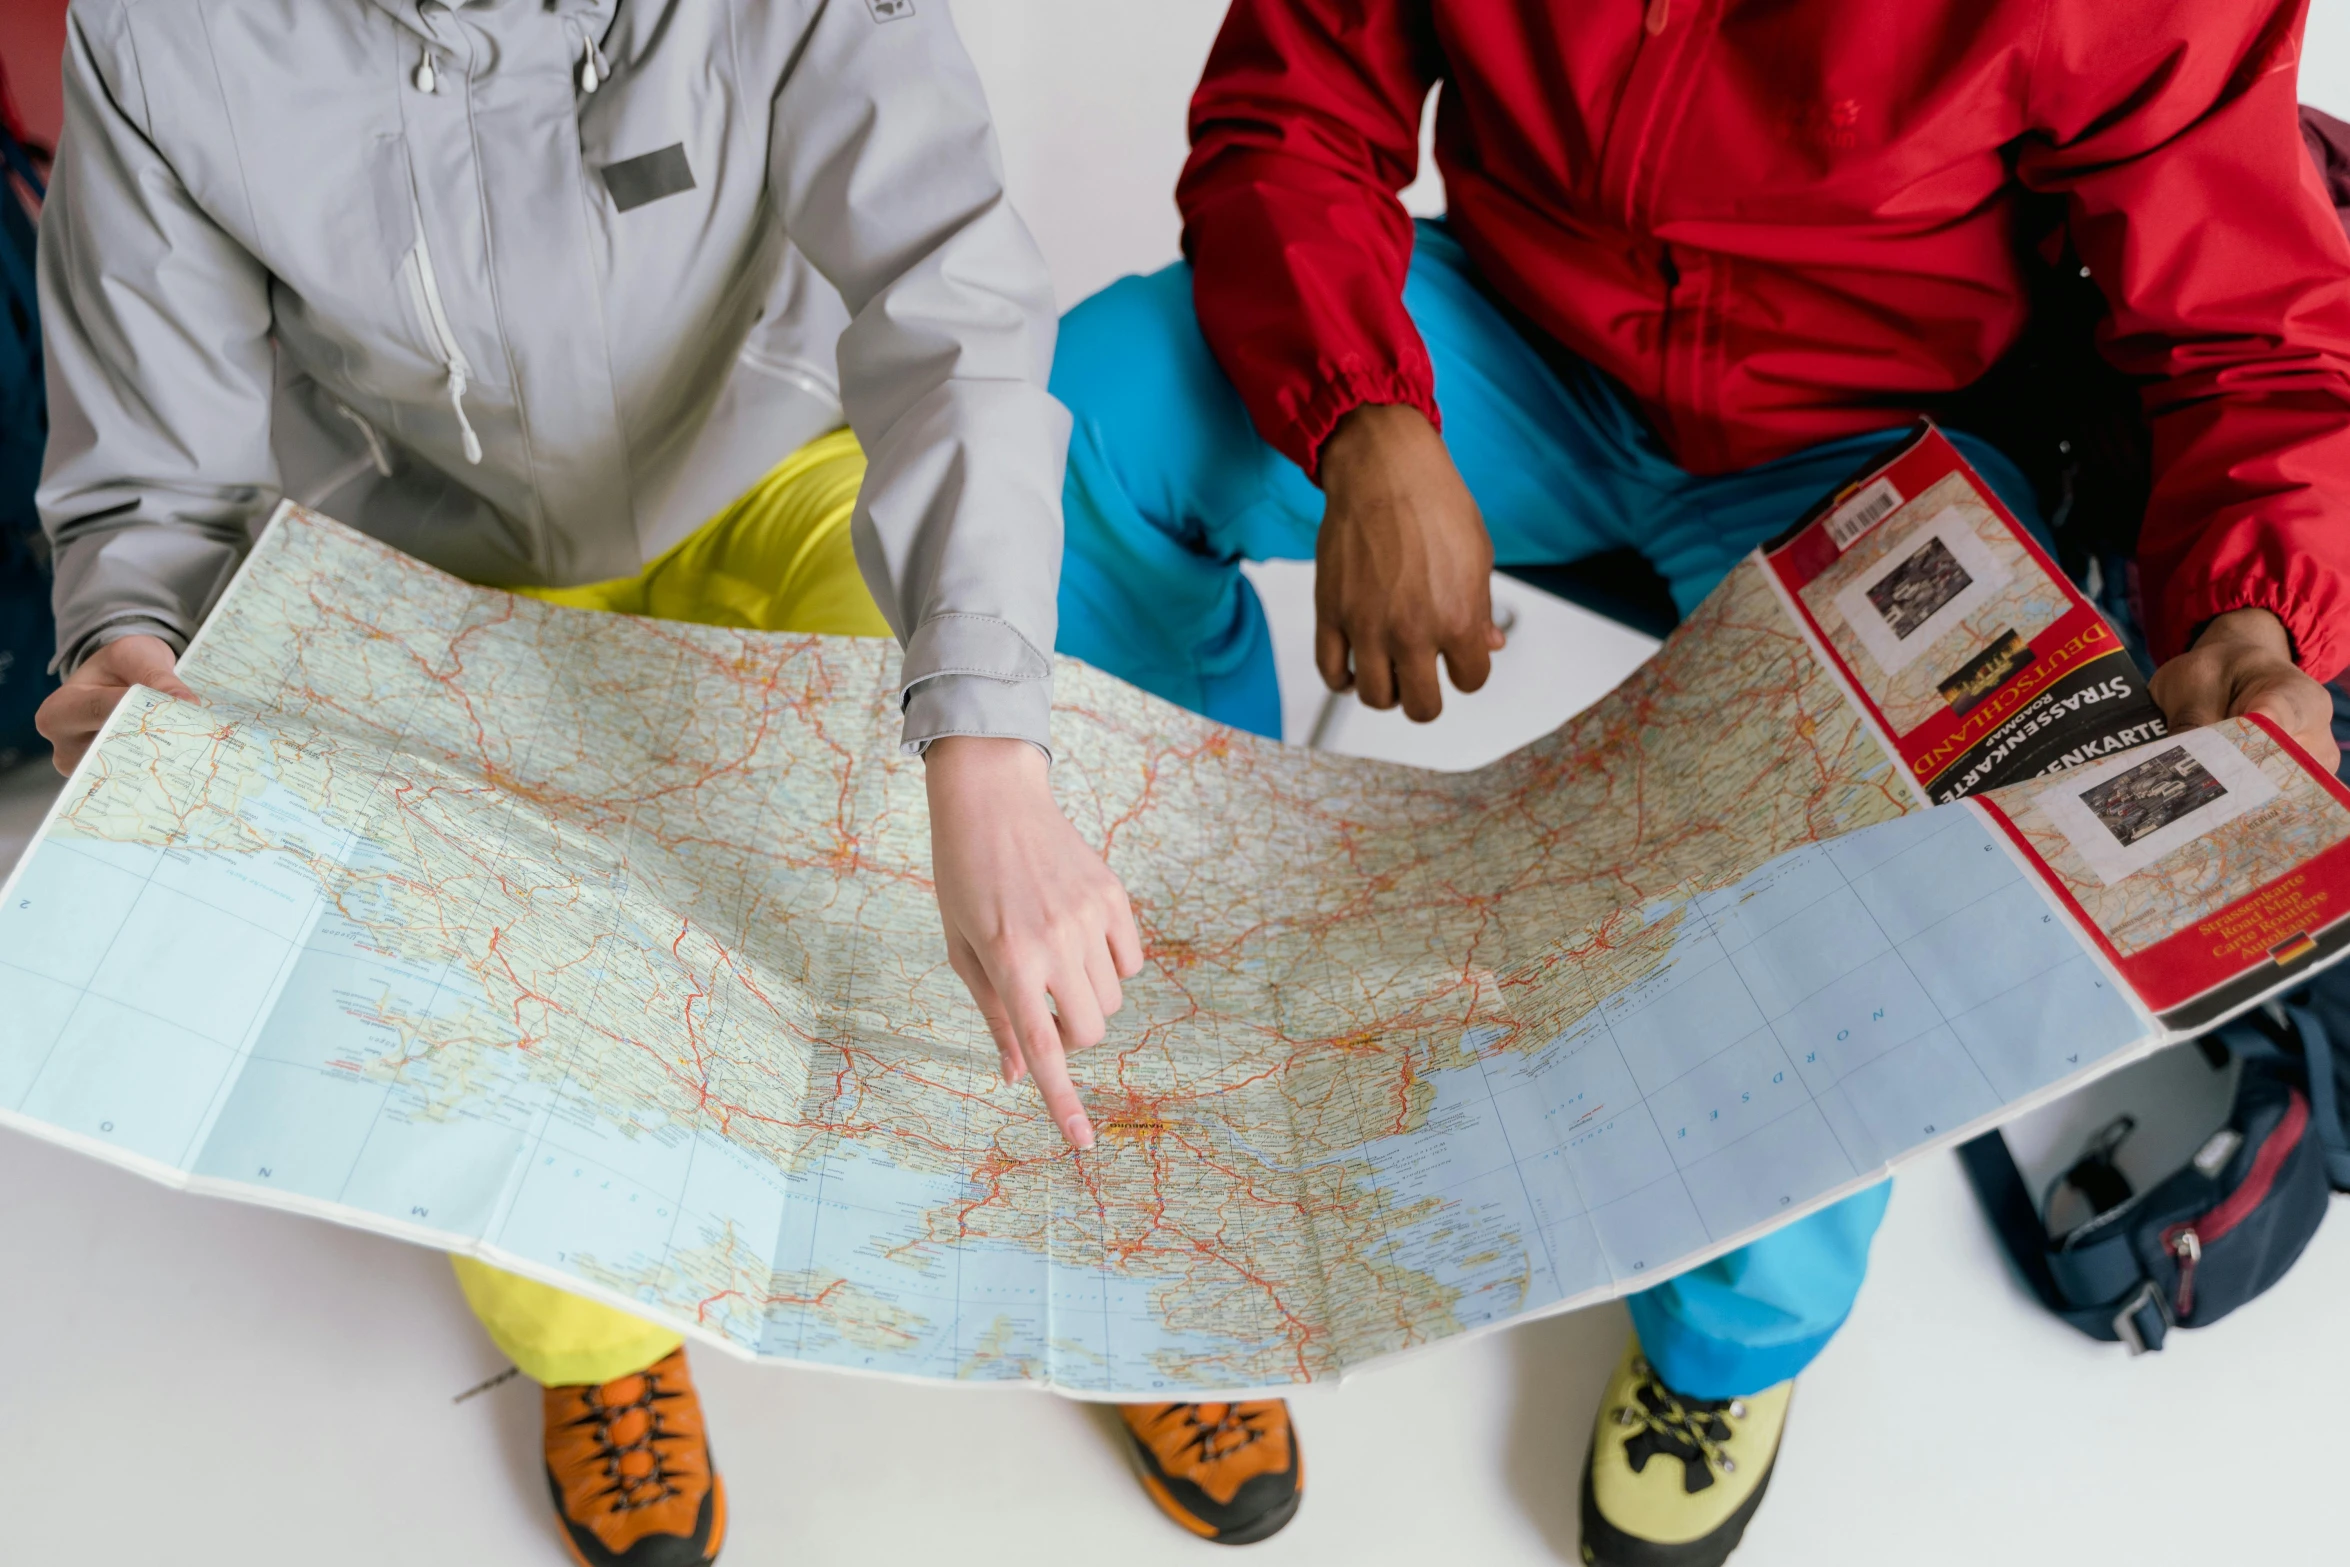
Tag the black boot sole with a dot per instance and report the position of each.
(1266, 1527)
(1605, 1545)
(1262, 1527)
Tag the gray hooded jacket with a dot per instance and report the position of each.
(529, 288)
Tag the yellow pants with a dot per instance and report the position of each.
(778, 559)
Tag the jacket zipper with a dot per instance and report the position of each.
(426, 289)
(1670, 271)
(1648, 105)
(2186, 1239)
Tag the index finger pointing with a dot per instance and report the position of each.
(1040, 1042)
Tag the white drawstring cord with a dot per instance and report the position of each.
(464, 425)
(375, 446)
(425, 78)
(594, 70)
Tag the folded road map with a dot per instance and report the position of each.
(604, 949)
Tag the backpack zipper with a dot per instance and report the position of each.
(2186, 1239)
(426, 291)
(2187, 1246)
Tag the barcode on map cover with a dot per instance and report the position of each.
(1875, 502)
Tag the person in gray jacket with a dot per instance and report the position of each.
(528, 289)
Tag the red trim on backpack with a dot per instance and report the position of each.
(2238, 1204)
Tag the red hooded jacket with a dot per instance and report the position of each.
(1776, 222)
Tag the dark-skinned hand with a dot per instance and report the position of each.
(2243, 663)
(1403, 568)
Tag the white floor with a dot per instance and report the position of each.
(199, 1383)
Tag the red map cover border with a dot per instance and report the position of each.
(2076, 636)
(2278, 924)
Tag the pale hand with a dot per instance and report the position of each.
(1403, 567)
(74, 713)
(1036, 924)
(2243, 663)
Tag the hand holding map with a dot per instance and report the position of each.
(604, 949)
(74, 713)
(2243, 663)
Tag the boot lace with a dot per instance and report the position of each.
(1209, 1433)
(1697, 1431)
(623, 1491)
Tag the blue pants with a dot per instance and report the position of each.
(1170, 488)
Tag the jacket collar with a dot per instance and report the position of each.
(596, 15)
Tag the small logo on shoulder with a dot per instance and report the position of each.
(890, 10)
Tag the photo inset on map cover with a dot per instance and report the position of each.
(1925, 580)
(1922, 590)
(2128, 811)
(2152, 795)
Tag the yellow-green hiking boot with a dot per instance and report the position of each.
(1671, 1481)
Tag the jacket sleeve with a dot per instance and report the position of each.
(2174, 138)
(1305, 127)
(885, 169)
(155, 326)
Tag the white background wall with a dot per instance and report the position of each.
(2325, 62)
(1089, 101)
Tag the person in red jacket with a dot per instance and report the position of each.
(1701, 257)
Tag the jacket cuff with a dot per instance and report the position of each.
(975, 705)
(963, 644)
(2316, 649)
(1312, 422)
(975, 675)
(70, 659)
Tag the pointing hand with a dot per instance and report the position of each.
(1036, 925)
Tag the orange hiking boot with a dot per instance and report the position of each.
(1231, 1473)
(631, 1470)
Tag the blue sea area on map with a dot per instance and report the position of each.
(337, 1103)
(1845, 1003)
(96, 937)
(979, 1309)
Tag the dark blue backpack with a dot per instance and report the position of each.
(28, 632)
(2212, 1234)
